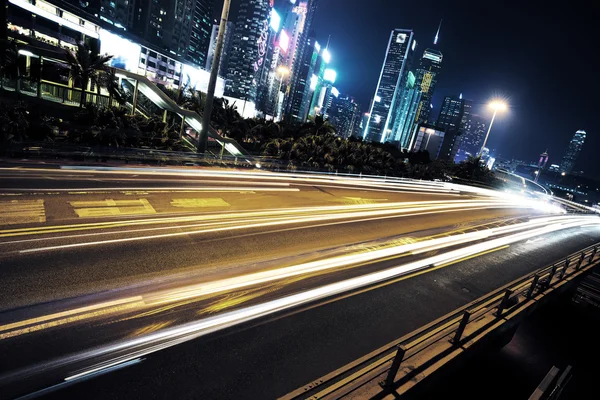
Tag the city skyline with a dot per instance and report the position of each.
(483, 59)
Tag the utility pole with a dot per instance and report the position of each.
(212, 83)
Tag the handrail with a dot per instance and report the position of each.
(429, 344)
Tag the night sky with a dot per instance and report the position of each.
(540, 57)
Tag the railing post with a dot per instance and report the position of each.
(564, 270)
(551, 276)
(503, 303)
(534, 283)
(135, 97)
(461, 328)
(580, 261)
(389, 381)
(592, 255)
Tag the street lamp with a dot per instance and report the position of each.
(496, 105)
(283, 71)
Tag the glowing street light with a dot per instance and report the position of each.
(496, 105)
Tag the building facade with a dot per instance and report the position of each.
(427, 74)
(226, 48)
(454, 120)
(406, 113)
(575, 145)
(344, 115)
(305, 56)
(248, 50)
(389, 86)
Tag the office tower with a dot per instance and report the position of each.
(182, 28)
(226, 48)
(297, 102)
(389, 87)
(406, 113)
(430, 66)
(343, 115)
(303, 83)
(568, 161)
(321, 85)
(454, 118)
(248, 48)
(294, 26)
(429, 139)
(473, 137)
(426, 77)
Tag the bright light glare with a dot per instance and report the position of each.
(283, 70)
(498, 105)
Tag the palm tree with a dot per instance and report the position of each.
(110, 81)
(86, 66)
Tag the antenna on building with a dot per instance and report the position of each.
(328, 39)
(437, 34)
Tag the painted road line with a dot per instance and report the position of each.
(22, 212)
(77, 312)
(111, 208)
(207, 202)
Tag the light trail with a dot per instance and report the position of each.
(132, 349)
(269, 222)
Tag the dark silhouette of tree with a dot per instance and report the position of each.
(86, 65)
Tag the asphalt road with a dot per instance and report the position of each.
(153, 242)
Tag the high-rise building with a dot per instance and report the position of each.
(296, 105)
(429, 139)
(427, 76)
(182, 28)
(390, 85)
(226, 48)
(543, 160)
(473, 137)
(303, 82)
(343, 115)
(430, 66)
(405, 113)
(248, 49)
(454, 119)
(568, 161)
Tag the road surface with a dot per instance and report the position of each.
(107, 266)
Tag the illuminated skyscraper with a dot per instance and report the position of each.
(344, 115)
(472, 139)
(405, 113)
(248, 49)
(390, 85)
(183, 27)
(226, 48)
(297, 100)
(454, 120)
(568, 161)
(430, 66)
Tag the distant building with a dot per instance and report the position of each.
(454, 120)
(396, 64)
(430, 66)
(472, 138)
(343, 115)
(405, 113)
(226, 48)
(248, 48)
(568, 161)
(429, 138)
(303, 62)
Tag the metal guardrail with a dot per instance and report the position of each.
(403, 363)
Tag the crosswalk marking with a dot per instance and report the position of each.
(111, 208)
(22, 212)
(205, 202)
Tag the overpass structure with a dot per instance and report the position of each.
(424, 355)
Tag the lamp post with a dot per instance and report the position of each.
(282, 72)
(496, 106)
(212, 82)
